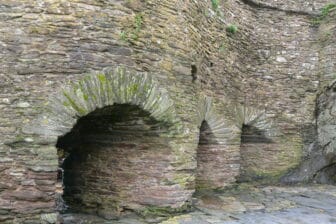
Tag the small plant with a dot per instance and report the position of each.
(324, 13)
(222, 47)
(232, 29)
(215, 4)
(133, 30)
(123, 36)
(326, 9)
(138, 21)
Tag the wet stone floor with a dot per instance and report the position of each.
(245, 204)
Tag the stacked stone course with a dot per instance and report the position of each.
(266, 75)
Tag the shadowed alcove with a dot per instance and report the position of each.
(253, 143)
(114, 159)
(206, 157)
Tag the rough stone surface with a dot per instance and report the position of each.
(319, 166)
(217, 150)
(248, 204)
(277, 61)
(119, 158)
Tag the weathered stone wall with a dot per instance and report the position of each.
(118, 158)
(272, 64)
(282, 78)
(326, 135)
(217, 161)
(326, 36)
(314, 160)
(299, 6)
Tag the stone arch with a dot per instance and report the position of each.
(266, 150)
(111, 88)
(217, 152)
(221, 127)
(245, 115)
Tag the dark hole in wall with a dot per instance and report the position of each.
(253, 142)
(251, 134)
(206, 158)
(194, 72)
(105, 160)
(206, 136)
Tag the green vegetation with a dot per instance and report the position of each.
(123, 36)
(71, 102)
(155, 211)
(132, 89)
(222, 47)
(102, 78)
(232, 29)
(215, 4)
(326, 9)
(138, 21)
(132, 33)
(324, 13)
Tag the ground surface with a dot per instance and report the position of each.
(247, 204)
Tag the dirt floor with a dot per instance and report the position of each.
(245, 204)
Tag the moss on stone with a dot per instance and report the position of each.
(85, 95)
(325, 11)
(200, 186)
(73, 104)
(42, 30)
(132, 28)
(231, 29)
(183, 179)
(102, 78)
(215, 4)
(132, 89)
(156, 211)
(289, 153)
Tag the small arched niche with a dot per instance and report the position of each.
(254, 143)
(114, 159)
(209, 160)
(217, 152)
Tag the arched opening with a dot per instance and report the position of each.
(207, 156)
(115, 159)
(254, 144)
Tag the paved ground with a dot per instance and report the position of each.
(246, 204)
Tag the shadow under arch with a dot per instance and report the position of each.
(218, 149)
(254, 142)
(114, 159)
(206, 151)
(112, 92)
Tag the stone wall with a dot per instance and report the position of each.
(115, 159)
(270, 68)
(326, 135)
(314, 160)
(216, 161)
(299, 6)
